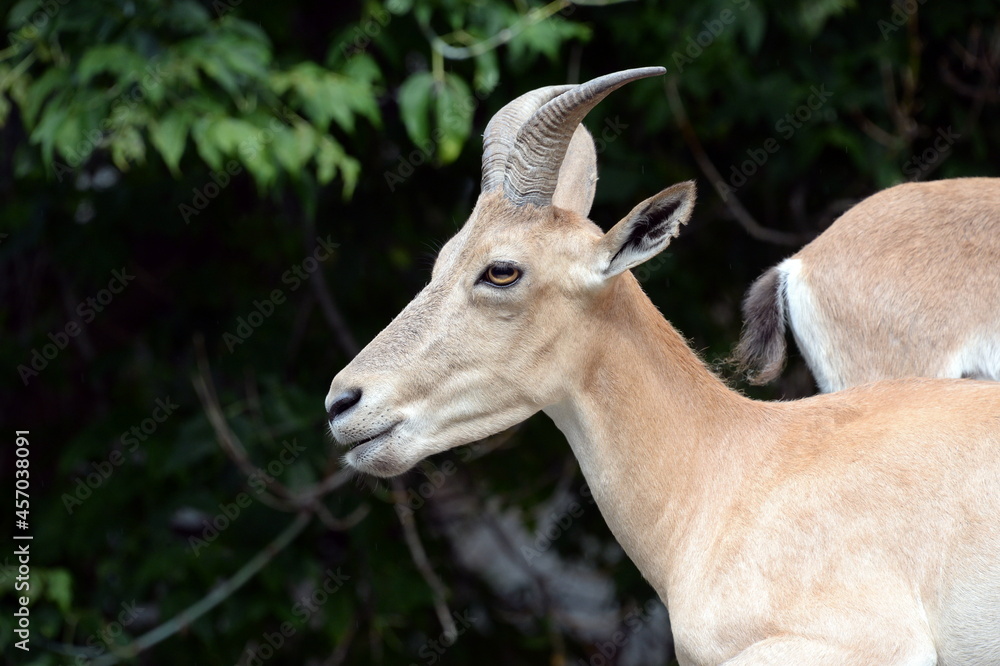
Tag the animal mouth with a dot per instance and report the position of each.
(367, 441)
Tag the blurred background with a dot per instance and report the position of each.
(208, 206)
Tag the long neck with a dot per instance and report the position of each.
(661, 441)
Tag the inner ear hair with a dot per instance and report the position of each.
(650, 224)
(648, 227)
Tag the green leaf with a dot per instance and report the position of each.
(247, 58)
(204, 141)
(546, 38)
(186, 16)
(361, 97)
(168, 135)
(127, 147)
(59, 588)
(69, 140)
(453, 107)
(813, 14)
(339, 99)
(329, 158)
(21, 13)
(233, 134)
(414, 106)
(216, 70)
(54, 78)
(362, 67)
(117, 59)
(262, 168)
(44, 132)
(399, 6)
(293, 147)
(350, 169)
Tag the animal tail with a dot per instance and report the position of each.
(760, 354)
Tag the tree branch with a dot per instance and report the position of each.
(752, 227)
(419, 556)
(537, 15)
(228, 440)
(331, 313)
(197, 609)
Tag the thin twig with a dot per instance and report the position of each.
(442, 48)
(419, 556)
(536, 15)
(752, 227)
(876, 133)
(299, 325)
(331, 313)
(339, 524)
(328, 484)
(280, 497)
(228, 440)
(340, 653)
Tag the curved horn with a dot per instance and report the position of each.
(532, 168)
(501, 131)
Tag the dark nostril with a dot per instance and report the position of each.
(344, 402)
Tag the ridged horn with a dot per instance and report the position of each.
(501, 131)
(532, 167)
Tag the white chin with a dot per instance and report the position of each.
(377, 458)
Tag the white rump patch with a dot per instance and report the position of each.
(977, 359)
(808, 326)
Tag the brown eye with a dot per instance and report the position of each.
(502, 275)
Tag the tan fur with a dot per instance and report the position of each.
(906, 283)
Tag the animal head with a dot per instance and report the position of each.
(512, 311)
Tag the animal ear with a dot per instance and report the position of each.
(577, 175)
(645, 231)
